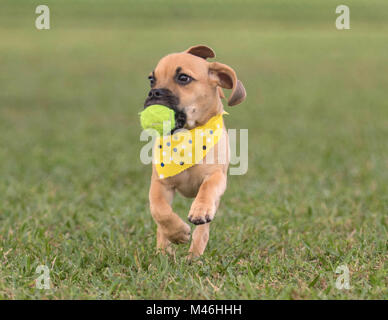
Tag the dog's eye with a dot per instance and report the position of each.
(152, 80)
(184, 78)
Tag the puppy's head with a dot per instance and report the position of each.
(189, 84)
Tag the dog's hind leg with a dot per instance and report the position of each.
(199, 241)
(171, 227)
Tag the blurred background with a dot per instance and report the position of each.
(74, 194)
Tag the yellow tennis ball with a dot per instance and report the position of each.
(158, 117)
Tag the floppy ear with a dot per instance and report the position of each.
(226, 78)
(201, 51)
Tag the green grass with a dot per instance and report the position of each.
(74, 194)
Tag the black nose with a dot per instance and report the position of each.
(155, 93)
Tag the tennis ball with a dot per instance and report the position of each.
(158, 117)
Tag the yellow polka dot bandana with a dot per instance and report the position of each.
(175, 153)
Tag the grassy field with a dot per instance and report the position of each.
(74, 194)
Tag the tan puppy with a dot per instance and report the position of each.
(189, 84)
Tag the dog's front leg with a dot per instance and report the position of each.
(171, 227)
(204, 208)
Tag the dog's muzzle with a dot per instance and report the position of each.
(166, 98)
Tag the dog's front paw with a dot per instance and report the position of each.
(201, 212)
(179, 234)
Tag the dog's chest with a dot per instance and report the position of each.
(188, 182)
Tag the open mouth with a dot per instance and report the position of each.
(171, 101)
